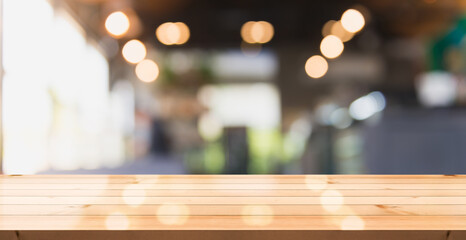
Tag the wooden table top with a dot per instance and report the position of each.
(233, 202)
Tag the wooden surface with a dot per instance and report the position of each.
(232, 235)
(233, 202)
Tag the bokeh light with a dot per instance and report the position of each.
(257, 32)
(316, 182)
(331, 46)
(246, 32)
(134, 51)
(257, 215)
(437, 89)
(117, 24)
(327, 28)
(133, 196)
(316, 66)
(323, 110)
(147, 70)
(184, 33)
(366, 106)
(331, 200)
(117, 221)
(339, 31)
(352, 20)
(210, 127)
(173, 214)
(352, 223)
(340, 118)
(170, 33)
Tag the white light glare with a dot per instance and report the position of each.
(437, 89)
(366, 106)
(340, 118)
(324, 111)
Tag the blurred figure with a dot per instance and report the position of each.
(160, 140)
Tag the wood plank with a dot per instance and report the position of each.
(233, 210)
(239, 186)
(231, 193)
(191, 179)
(239, 176)
(237, 234)
(8, 235)
(233, 223)
(244, 202)
(233, 200)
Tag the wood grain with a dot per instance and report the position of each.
(227, 202)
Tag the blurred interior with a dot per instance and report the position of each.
(234, 87)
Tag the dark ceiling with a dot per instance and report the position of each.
(298, 23)
(216, 24)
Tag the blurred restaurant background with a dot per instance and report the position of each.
(234, 86)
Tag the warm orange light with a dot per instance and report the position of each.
(338, 30)
(184, 33)
(327, 28)
(147, 70)
(352, 223)
(134, 51)
(331, 46)
(257, 32)
(352, 20)
(171, 33)
(117, 24)
(257, 215)
(167, 33)
(133, 196)
(316, 66)
(262, 32)
(246, 32)
(331, 200)
(173, 214)
(117, 221)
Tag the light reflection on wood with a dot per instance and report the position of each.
(226, 202)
